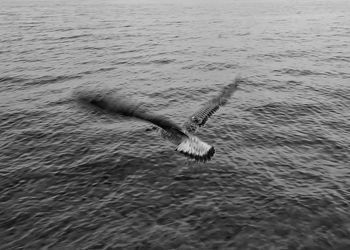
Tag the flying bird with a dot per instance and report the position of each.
(183, 137)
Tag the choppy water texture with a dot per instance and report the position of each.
(73, 178)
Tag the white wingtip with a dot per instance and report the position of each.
(196, 149)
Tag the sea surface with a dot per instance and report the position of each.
(74, 178)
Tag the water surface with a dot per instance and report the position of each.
(72, 178)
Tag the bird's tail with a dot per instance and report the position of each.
(196, 149)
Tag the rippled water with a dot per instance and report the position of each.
(72, 178)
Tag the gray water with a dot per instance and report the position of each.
(73, 178)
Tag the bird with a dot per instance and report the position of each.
(183, 137)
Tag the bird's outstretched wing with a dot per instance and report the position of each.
(199, 118)
(113, 104)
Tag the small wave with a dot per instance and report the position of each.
(88, 72)
(281, 113)
(190, 93)
(339, 59)
(295, 82)
(12, 39)
(91, 48)
(12, 79)
(302, 72)
(212, 66)
(73, 37)
(129, 51)
(49, 79)
(340, 94)
(163, 61)
(286, 54)
(243, 34)
(64, 29)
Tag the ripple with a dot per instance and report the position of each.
(303, 72)
(74, 178)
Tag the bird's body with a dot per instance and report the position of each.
(189, 145)
(181, 136)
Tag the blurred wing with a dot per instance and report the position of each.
(116, 105)
(199, 118)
